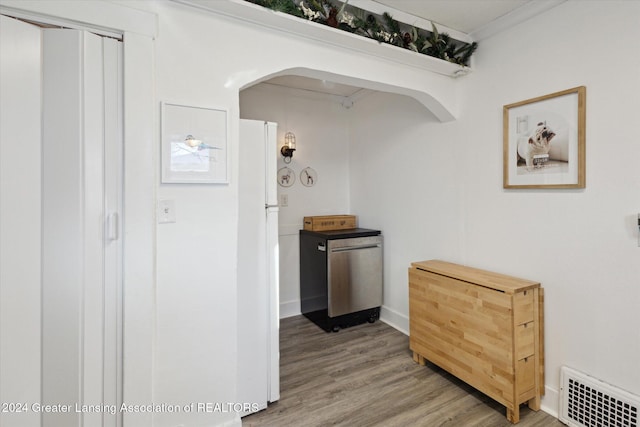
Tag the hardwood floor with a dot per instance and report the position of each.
(365, 376)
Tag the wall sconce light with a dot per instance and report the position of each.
(289, 146)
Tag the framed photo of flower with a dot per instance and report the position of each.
(194, 145)
(544, 141)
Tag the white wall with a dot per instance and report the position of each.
(589, 259)
(320, 124)
(580, 244)
(405, 182)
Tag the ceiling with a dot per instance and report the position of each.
(477, 18)
(315, 85)
(467, 16)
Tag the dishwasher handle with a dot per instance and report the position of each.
(354, 248)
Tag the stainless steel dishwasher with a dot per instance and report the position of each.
(341, 277)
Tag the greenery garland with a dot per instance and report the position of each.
(384, 29)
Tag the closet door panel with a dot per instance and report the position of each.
(63, 224)
(113, 157)
(94, 226)
(20, 219)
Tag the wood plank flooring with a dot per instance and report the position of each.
(365, 376)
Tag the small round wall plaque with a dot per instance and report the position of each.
(286, 177)
(308, 177)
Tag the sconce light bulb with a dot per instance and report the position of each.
(290, 140)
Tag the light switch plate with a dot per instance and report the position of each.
(166, 211)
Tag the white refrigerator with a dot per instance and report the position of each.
(258, 272)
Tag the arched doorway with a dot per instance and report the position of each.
(272, 96)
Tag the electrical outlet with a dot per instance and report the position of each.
(284, 200)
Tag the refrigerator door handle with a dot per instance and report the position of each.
(267, 206)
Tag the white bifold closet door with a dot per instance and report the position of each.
(80, 204)
(72, 179)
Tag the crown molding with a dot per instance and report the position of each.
(513, 18)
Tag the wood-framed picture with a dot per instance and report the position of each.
(544, 141)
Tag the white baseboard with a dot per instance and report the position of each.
(235, 422)
(389, 316)
(289, 229)
(395, 319)
(549, 402)
(289, 309)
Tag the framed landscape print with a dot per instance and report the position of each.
(544, 141)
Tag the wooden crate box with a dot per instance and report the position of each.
(330, 222)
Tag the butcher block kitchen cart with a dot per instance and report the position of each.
(483, 327)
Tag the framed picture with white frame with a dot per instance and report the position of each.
(194, 145)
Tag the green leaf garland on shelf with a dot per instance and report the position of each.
(384, 29)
